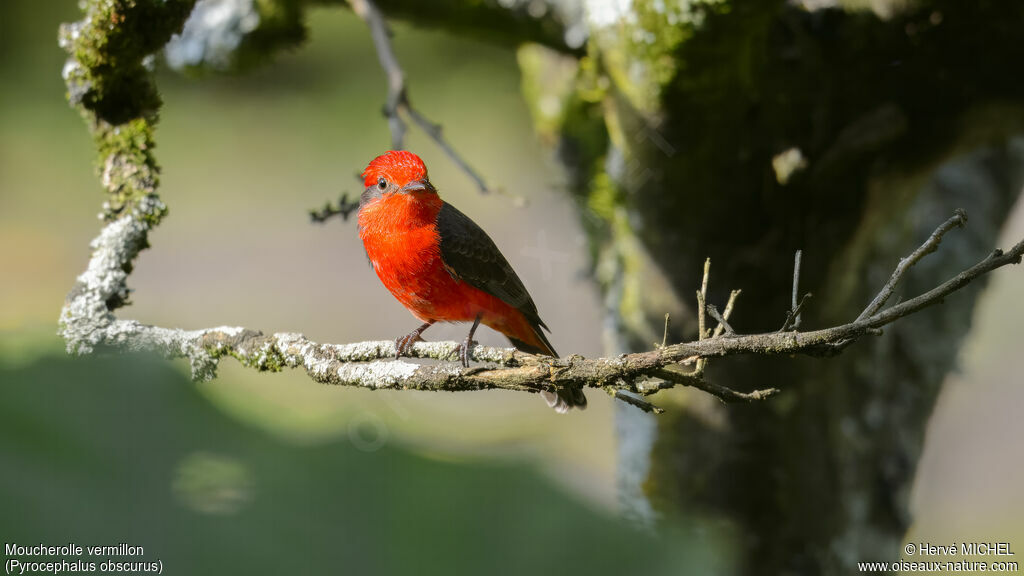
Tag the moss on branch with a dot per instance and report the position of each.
(109, 81)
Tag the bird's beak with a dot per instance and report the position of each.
(417, 186)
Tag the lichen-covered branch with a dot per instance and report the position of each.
(109, 82)
(88, 326)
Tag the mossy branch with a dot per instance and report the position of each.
(110, 83)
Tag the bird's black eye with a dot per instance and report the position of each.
(382, 184)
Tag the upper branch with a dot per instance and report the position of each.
(499, 21)
(398, 96)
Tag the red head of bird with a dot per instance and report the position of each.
(396, 171)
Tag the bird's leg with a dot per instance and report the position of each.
(468, 342)
(403, 344)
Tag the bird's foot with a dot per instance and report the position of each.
(403, 344)
(465, 348)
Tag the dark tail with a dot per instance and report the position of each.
(564, 400)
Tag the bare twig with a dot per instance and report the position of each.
(628, 398)
(344, 208)
(371, 15)
(705, 308)
(702, 298)
(435, 132)
(701, 314)
(728, 312)
(958, 220)
(398, 95)
(796, 290)
(728, 395)
(793, 315)
(722, 323)
(792, 321)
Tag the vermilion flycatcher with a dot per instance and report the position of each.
(442, 266)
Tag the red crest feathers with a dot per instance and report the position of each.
(396, 166)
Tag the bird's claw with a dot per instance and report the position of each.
(464, 350)
(403, 344)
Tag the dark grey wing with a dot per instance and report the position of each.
(471, 256)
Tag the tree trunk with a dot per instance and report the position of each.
(744, 132)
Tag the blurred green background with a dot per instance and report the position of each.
(255, 473)
(239, 248)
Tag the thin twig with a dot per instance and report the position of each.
(344, 208)
(628, 398)
(434, 130)
(958, 220)
(702, 297)
(664, 335)
(371, 15)
(398, 94)
(722, 323)
(728, 312)
(793, 315)
(796, 289)
(701, 313)
(727, 395)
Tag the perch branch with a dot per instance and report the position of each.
(89, 325)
